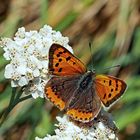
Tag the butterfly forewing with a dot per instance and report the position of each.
(62, 62)
(109, 88)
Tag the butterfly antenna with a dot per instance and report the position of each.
(90, 46)
(116, 66)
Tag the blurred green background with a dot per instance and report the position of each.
(113, 28)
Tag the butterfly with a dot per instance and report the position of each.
(77, 91)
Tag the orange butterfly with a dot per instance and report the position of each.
(77, 91)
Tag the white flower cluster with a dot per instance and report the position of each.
(28, 56)
(69, 131)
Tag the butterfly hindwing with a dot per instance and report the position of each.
(84, 106)
(62, 62)
(109, 88)
(59, 90)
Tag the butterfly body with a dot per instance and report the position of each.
(80, 93)
(86, 80)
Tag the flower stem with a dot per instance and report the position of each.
(13, 102)
(25, 98)
(7, 109)
(12, 96)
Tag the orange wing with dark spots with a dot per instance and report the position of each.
(81, 115)
(60, 90)
(62, 62)
(109, 88)
(53, 96)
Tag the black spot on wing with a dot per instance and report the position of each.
(64, 51)
(60, 69)
(109, 95)
(60, 59)
(58, 55)
(104, 96)
(68, 58)
(57, 64)
(110, 82)
(60, 52)
(117, 83)
(116, 89)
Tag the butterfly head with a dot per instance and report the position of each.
(91, 72)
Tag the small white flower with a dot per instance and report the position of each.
(23, 81)
(36, 73)
(14, 83)
(101, 126)
(8, 71)
(111, 136)
(67, 130)
(28, 55)
(20, 34)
